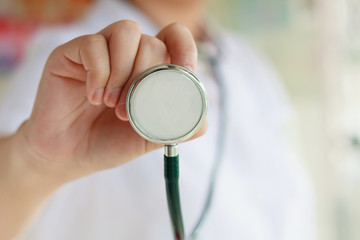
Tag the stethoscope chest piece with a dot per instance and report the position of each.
(166, 104)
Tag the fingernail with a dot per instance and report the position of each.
(113, 97)
(121, 111)
(97, 96)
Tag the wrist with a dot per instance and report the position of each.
(23, 171)
(23, 185)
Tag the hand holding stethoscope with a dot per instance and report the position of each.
(73, 130)
(73, 124)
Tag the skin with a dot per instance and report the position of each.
(78, 125)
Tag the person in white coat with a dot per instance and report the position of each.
(55, 150)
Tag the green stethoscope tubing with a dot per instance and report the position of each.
(171, 174)
(171, 165)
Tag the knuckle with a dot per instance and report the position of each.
(178, 26)
(93, 40)
(127, 26)
(153, 43)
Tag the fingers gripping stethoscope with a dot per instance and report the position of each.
(167, 104)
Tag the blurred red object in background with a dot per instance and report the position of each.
(53, 11)
(20, 21)
(14, 36)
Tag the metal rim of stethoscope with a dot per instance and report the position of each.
(165, 67)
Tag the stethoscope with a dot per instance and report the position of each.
(167, 104)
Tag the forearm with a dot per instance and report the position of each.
(22, 189)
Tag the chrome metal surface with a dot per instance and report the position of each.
(171, 150)
(166, 67)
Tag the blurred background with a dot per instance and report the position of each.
(315, 47)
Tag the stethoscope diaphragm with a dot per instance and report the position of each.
(166, 104)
